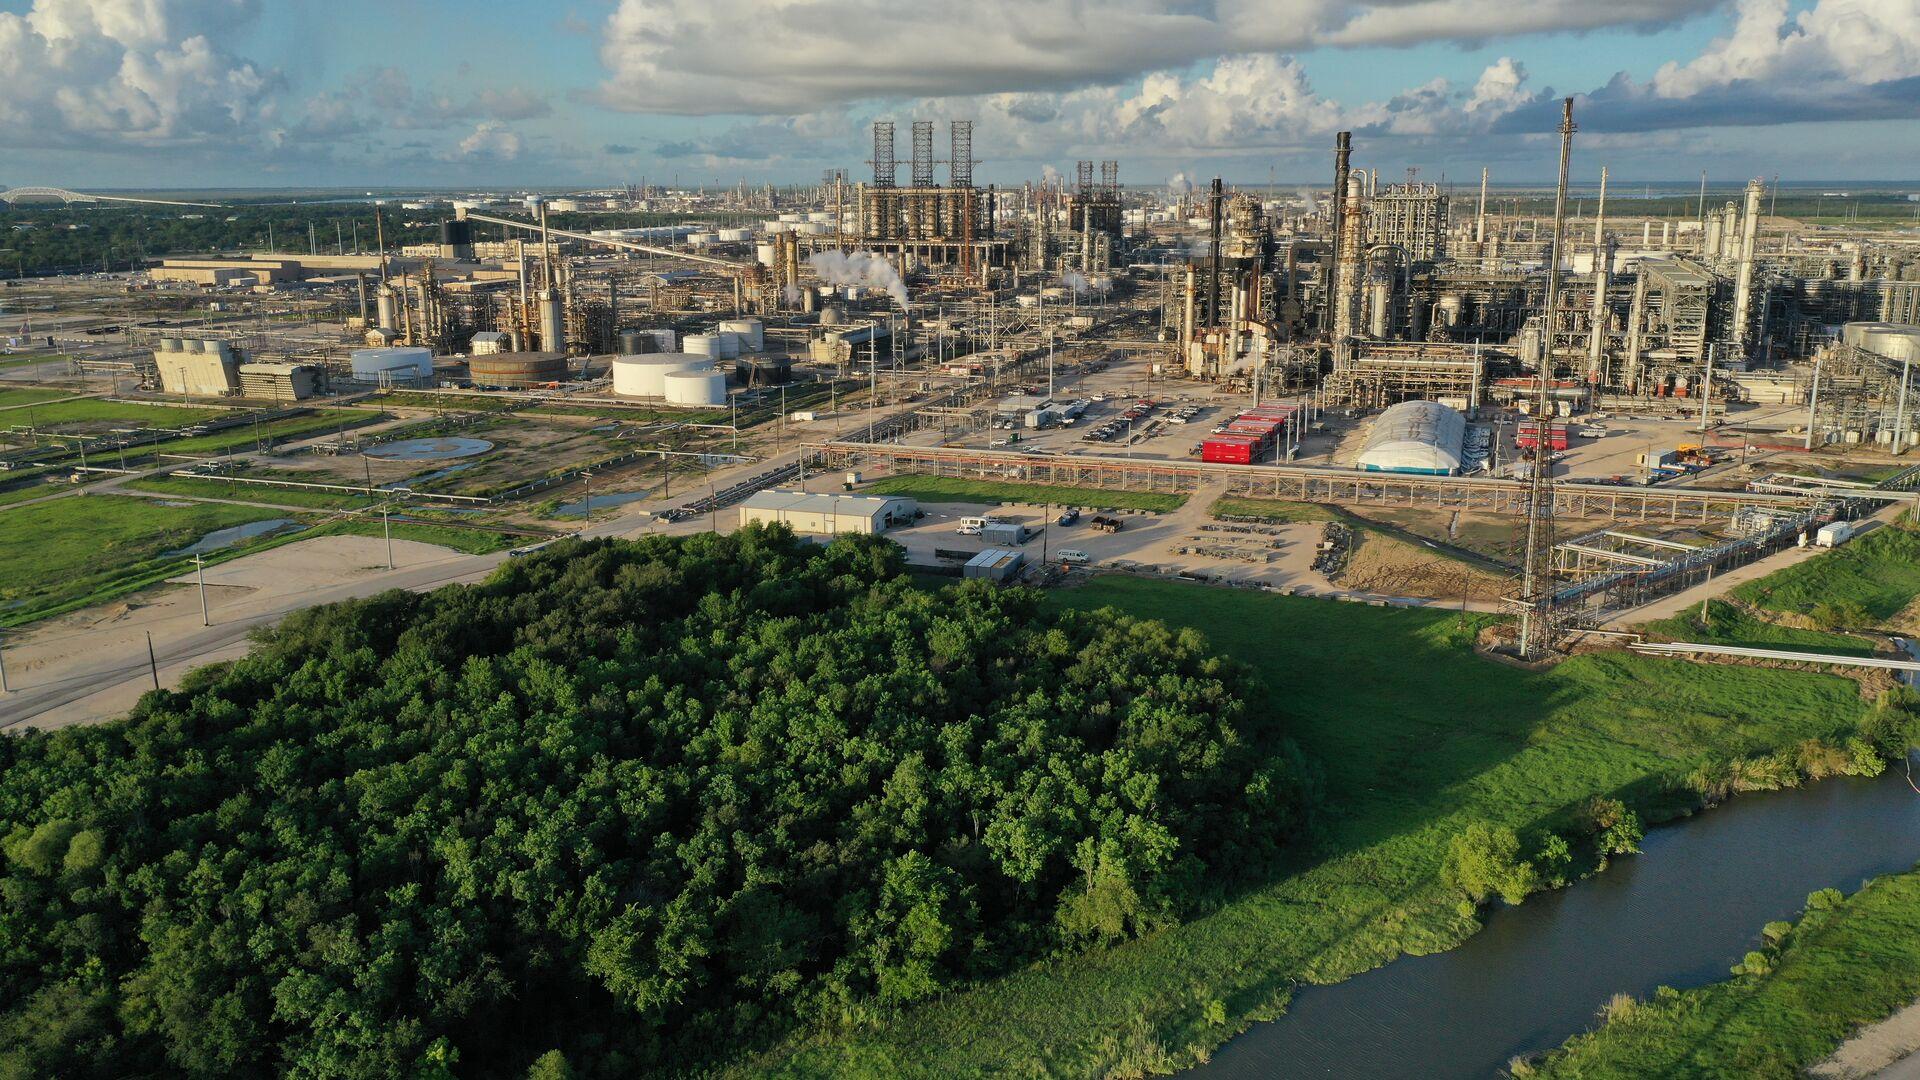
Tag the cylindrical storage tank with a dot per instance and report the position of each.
(735, 236)
(792, 217)
(518, 369)
(644, 376)
(763, 371)
(386, 310)
(833, 315)
(397, 362)
(715, 346)
(751, 332)
(700, 239)
(635, 342)
(696, 388)
(663, 340)
(763, 254)
(821, 215)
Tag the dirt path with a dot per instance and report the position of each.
(1888, 1050)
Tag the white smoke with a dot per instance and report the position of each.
(1049, 175)
(1082, 285)
(860, 268)
(1179, 186)
(1311, 202)
(792, 294)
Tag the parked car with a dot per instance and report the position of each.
(1069, 517)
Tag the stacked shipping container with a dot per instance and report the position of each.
(1249, 437)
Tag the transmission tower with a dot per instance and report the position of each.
(1538, 617)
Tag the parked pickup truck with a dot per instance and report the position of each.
(1105, 524)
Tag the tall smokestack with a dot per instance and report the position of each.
(1342, 160)
(1480, 219)
(1743, 283)
(1602, 255)
(1346, 289)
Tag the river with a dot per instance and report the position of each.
(1679, 914)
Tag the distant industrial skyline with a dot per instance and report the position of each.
(195, 94)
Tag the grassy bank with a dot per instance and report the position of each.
(206, 487)
(1279, 511)
(1844, 964)
(16, 396)
(1731, 624)
(1419, 738)
(465, 541)
(951, 489)
(84, 412)
(1879, 572)
(69, 553)
(247, 436)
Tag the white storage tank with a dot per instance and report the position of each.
(645, 376)
(763, 254)
(821, 215)
(716, 346)
(750, 332)
(388, 364)
(696, 388)
(735, 236)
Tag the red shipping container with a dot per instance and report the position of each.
(1230, 449)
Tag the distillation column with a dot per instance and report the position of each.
(1743, 283)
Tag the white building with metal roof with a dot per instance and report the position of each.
(1416, 437)
(808, 512)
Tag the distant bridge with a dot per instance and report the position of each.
(12, 197)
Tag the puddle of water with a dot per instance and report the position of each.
(234, 534)
(428, 449)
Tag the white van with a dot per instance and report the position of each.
(971, 526)
(1072, 555)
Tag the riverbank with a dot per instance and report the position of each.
(1419, 738)
(1809, 988)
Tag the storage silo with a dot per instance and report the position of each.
(715, 346)
(395, 363)
(751, 333)
(696, 388)
(645, 376)
(518, 369)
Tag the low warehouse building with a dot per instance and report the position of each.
(280, 382)
(1416, 437)
(806, 512)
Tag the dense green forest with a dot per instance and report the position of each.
(635, 803)
(40, 238)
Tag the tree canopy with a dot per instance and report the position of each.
(639, 803)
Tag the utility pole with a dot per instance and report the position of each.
(1536, 620)
(200, 573)
(386, 526)
(4, 688)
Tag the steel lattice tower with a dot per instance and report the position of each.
(1538, 617)
(883, 168)
(923, 153)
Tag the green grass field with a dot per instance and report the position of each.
(208, 487)
(1728, 624)
(951, 489)
(100, 413)
(1838, 968)
(1274, 510)
(29, 395)
(1418, 737)
(466, 541)
(69, 553)
(1880, 571)
(246, 436)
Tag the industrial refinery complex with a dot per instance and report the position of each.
(1587, 402)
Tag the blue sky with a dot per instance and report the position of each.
(117, 93)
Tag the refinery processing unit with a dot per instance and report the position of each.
(1449, 350)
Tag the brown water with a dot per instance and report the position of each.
(1680, 915)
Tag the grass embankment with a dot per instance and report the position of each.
(248, 436)
(1879, 572)
(1731, 624)
(30, 395)
(207, 487)
(1279, 511)
(1846, 963)
(1419, 738)
(69, 553)
(99, 412)
(465, 541)
(953, 489)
